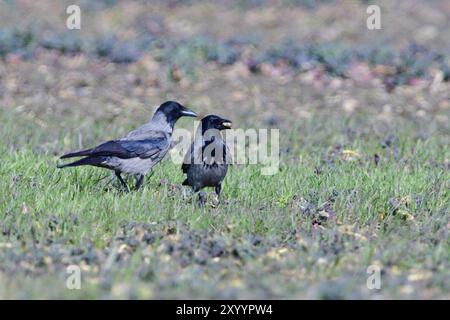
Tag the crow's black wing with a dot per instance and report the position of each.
(105, 149)
(125, 149)
(145, 149)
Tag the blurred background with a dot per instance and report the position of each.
(262, 62)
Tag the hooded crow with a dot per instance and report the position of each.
(206, 163)
(137, 152)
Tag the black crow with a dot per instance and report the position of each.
(206, 163)
(137, 152)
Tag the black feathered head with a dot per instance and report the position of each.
(215, 122)
(173, 111)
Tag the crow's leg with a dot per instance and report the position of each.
(215, 198)
(121, 180)
(218, 189)
(202, 198)
(139, 181)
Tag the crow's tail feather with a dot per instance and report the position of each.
(93, 161)
(80, 153)
(185, 183)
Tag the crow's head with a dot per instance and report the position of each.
(173, 111)
(215, 122)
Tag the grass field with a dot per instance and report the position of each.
(364, 175)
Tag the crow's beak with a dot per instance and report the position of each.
(188, 113)
(227, 124)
